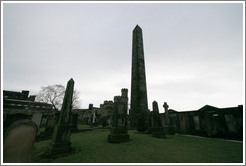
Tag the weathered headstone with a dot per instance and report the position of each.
(166, 114)
(18, 141)
(60, 143)
(157, 130)
(36, 118)
(168, 126)
(51, 121)
(118, 131)
(139, 113)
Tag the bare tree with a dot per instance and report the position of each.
(54, 94)
(76, 103)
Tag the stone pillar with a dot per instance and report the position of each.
(115, 113)
(139, 104)
(60, 143)
(157, 130)
(118, 132)
(156, 116)
(168, 127)
(167, 122)
(124, 101)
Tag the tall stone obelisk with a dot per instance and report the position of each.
(60, 143)
(139, 103)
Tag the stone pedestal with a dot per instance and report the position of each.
(57, 149)
(60, 145)
(118, 135)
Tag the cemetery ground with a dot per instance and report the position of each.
(93, 147)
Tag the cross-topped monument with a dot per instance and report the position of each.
(166, 114)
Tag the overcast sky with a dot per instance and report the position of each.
(193, 52)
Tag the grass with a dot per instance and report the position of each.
(82, 127)
(92, 147)
(42, 129)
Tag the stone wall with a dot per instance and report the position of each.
(209, 121)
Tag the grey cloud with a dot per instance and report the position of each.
(193, 52)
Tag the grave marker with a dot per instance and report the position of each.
(18, 141)
(60, 143)
(118, 132)
(157, 130)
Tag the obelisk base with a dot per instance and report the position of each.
(56, 149)
(60, 143)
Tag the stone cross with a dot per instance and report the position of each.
(61, 137)
(167, 123)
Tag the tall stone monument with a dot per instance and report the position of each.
(156, 115)
(166, 114)
(118, 131)
(139, 103)
(168, 126)
(60, 143)
(157, 129)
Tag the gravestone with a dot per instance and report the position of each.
(118, 131)
(36, 118)
(43, 121)
(157, 130)
(166, 114)
(168, 127)
(60, 143)
(51, 121)
(18, 141)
